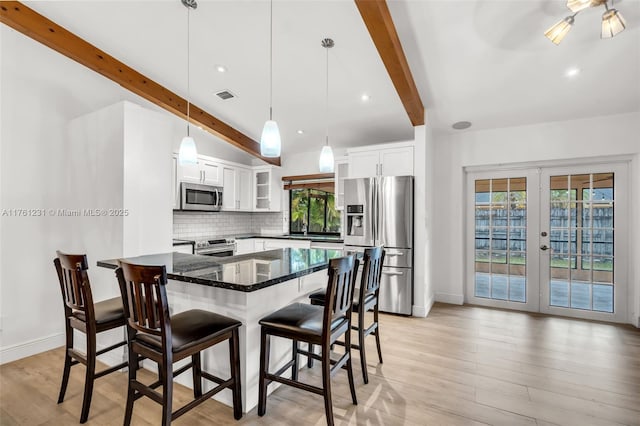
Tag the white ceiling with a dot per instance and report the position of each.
(481, 61)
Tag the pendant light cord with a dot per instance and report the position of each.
(327, 101)
(271, 61)
(188, 66)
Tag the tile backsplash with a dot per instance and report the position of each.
(189, 225)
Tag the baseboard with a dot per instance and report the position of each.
(32, 347)
(454, 299)
(422, 311)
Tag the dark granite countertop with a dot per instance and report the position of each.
(310, 237)
(246, 272)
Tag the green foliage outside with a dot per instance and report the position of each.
(316, 209)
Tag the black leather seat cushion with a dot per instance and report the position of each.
(192, 327)
(105, 311)
(319, 296)
(300, 318)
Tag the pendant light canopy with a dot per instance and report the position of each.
(188, 154)
(326, 162)
(270, 143)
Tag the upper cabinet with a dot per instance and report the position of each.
(237, 194)
(267, 189)
(245, 188)
(341, 169)
(206, 172)
(388, 161)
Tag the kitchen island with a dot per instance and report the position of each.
(247, 288)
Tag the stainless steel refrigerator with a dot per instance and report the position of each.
(379, 211)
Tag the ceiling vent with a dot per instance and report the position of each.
(225, 95)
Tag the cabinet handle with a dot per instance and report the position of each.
(376, 170)
(380, 169)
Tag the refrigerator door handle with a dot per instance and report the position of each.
(392, 273)
(393, 253)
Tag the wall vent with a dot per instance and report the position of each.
(225, 94)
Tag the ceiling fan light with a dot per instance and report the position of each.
(612, 23)
(557, 32)
(325, 163)
(270, 144)
(187, 155)
(578, 5)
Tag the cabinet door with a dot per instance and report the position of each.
(258, 245)
(396, 162)
(245, 246)
(262, 179)
(229, 189)
(342, 172)
(243, 187)
(210, 173)
(363, 164)
(190, 173)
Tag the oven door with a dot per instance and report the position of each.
(200, 197)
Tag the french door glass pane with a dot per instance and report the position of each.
(582, 233)
(500, 239)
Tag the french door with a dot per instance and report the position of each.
(549, 240)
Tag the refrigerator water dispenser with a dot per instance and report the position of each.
(355, 220)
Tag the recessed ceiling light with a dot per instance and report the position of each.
(365, 97)
(572, 72)
(461, 125)
(221, 68)
(300, 132)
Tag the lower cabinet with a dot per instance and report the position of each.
(327, 245)
(245, 246)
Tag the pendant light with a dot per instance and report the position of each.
(188, 155)
(326, 155)
(270, 144)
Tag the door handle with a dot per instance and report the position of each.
(395, 254)
(392, 273)
(544, 247)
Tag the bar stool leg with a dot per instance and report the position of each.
(167, 390)
(326, 383)
(234, 351)
(294, 367)
(265, 347)
(89, 376)
(196, 372)
(133, 370)
(309, 359)
(377, 333)
(67, 363)
(347, 348)
(363, 356)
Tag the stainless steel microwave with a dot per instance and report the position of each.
(198, 197)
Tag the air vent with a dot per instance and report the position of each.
(225, 94)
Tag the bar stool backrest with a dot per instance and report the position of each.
(145, 299)
(372, 272)
(74, 284)
(342, 277)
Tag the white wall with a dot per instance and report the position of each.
(594, 138)
(42, 92)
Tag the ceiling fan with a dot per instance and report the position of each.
(612, 20)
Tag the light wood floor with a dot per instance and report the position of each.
(461, 365)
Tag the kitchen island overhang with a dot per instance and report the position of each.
(245, 287)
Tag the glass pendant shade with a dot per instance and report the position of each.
(559, 30)
(188, 155)
(270, 145)
(326, 160)
(612, 23)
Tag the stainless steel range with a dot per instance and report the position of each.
(220, 247)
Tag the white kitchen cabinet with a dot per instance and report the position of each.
(327, 245)
(341, 172)
(175, 187)
(262, 244)
(371, 162)
(267, 189)
(245, 246)
(237, 193)
(206, 172)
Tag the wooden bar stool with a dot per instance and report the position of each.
(366, 300)
(80, 313)
(315, 325)
(165, 339)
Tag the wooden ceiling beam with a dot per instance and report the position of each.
(377, 18)
(30, 23)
